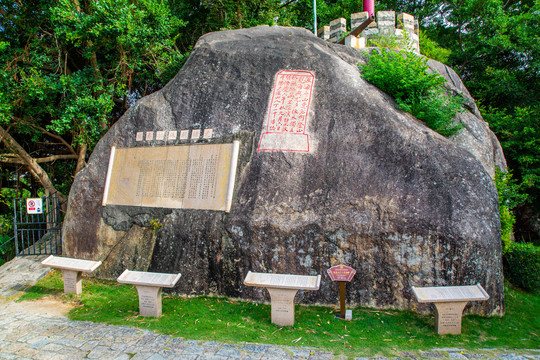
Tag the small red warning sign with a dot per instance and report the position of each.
(34, 206)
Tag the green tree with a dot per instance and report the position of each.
(495, 47)
(69, 69)
(519, 134)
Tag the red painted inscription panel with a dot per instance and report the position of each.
(288, 114)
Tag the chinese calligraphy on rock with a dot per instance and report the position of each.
(287, 117)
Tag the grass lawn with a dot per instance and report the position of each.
(371, 332)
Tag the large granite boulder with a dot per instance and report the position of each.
(377, 190)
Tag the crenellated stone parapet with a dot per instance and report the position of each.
(401, 32)
(337, 28)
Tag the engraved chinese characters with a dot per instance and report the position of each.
(449, 303)
(288, 113)
(282, 289)
(149, 286)
(71, 271)
(190, 177)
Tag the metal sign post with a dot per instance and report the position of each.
(342, 274)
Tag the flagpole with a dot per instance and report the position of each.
(315, 17)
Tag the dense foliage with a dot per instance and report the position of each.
(69, 70)
(405, 76)
(523, 266)
(510, 196)
(496, 49)
(519, 134)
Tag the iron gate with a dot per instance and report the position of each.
(37, 230)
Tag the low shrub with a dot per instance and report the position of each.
(405, 76)
(522, 266)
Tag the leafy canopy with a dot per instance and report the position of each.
(69, 69)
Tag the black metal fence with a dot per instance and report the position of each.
(37, 226)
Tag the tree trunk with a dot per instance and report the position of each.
(81, 163)
(34, 168)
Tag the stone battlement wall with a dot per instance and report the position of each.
(404, 29)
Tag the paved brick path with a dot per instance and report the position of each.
(27, 335)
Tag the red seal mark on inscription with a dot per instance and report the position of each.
(287, 116)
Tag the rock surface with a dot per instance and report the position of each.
(377, 191)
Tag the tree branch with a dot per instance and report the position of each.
(30, 163)
(16, 159)
(57, 137)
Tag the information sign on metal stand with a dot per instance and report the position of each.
(342, 274)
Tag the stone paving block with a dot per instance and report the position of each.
(70, 333)
(51, 355)
(160, 341)
(252, 356)
(3, 320)
(132, 349)
(7, 356)
(431, 354)
(301, 352)
(78, 342)
(274, 352)
(122, 356)
(27, 353)
(39, 344)
(191, 342)
(321, 356)
(511, 357)
(276, 357)
(211, 343)
(27, 338)
(52, 347)
(210, 351)
(254, 348)
(146, 340)
(156, 357)
(128, 339)
(178, 341)
(457, 355)
(118, 346)
(107, 340)
(193, 350)
(89, 345)
(105, 333)
(102, 352)
(216, 357)
(533, 357)
(142, 356)
(87, 334)
(188, 357)
(474, 356)
(229, 352)
(408, 355)
(169, 353)
(37, 338)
